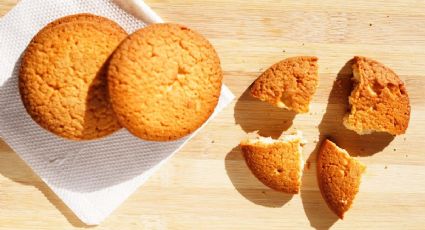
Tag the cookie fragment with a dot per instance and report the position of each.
(276, 163)
(339, 177)
(379, 101)
(290, 83)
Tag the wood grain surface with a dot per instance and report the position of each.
(207, 184)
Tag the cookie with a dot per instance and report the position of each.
(62, 79)
(339, 177)
(276, 163)
(290, 83)
(164, 82)
(379, 101)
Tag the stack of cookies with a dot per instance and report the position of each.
(82, 77)
(378, 103)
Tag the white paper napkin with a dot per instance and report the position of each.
(95, 177)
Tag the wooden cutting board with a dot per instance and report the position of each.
(207, 185)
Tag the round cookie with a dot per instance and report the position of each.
(62, 79)
(164, 82)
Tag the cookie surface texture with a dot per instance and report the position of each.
(379, 101)
(290, 83)
(339, 177)
(164, 82)
(62, 79)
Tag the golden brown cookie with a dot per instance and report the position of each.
(62, 79)
(339, 177)
(276, 163)
(164, 82)
(290, 83)
(378, 101)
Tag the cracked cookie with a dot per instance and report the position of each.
(339, 177)
(276, 163)
(290, 83)
(164, 82)
(379, 101)
(62, 79)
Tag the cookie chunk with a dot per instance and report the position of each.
(62, 78)
(164, 82)
(379, 101)
(339, 177)
(290, 83)
(276, 163)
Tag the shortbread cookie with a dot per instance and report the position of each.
(339, 177)
(276, 163)
(164, 82)
(290, 83)
(62, 79)
(379, 100)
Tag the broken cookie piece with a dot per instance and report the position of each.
(339, 177)
(379, 101)
(290, 83)
(276, 163)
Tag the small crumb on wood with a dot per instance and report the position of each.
(303, 43)
(385, 167)
(394, 150)
(407, 155)
(263, 192)
(370, 24)
(283, 51)
(212, 141)
(307, 165)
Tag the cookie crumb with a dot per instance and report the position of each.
(385, 167)
(283, 51)
(370, 24)
(394, 150)
(212, 141)
(307, 165)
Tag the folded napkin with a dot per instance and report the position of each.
(92, 177)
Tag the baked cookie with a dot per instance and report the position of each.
(290, 83)
(62, 78)
(276, 163)
(339, 177)
(164, 82)
(378, 101)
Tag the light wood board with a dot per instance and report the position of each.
(207, 185)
